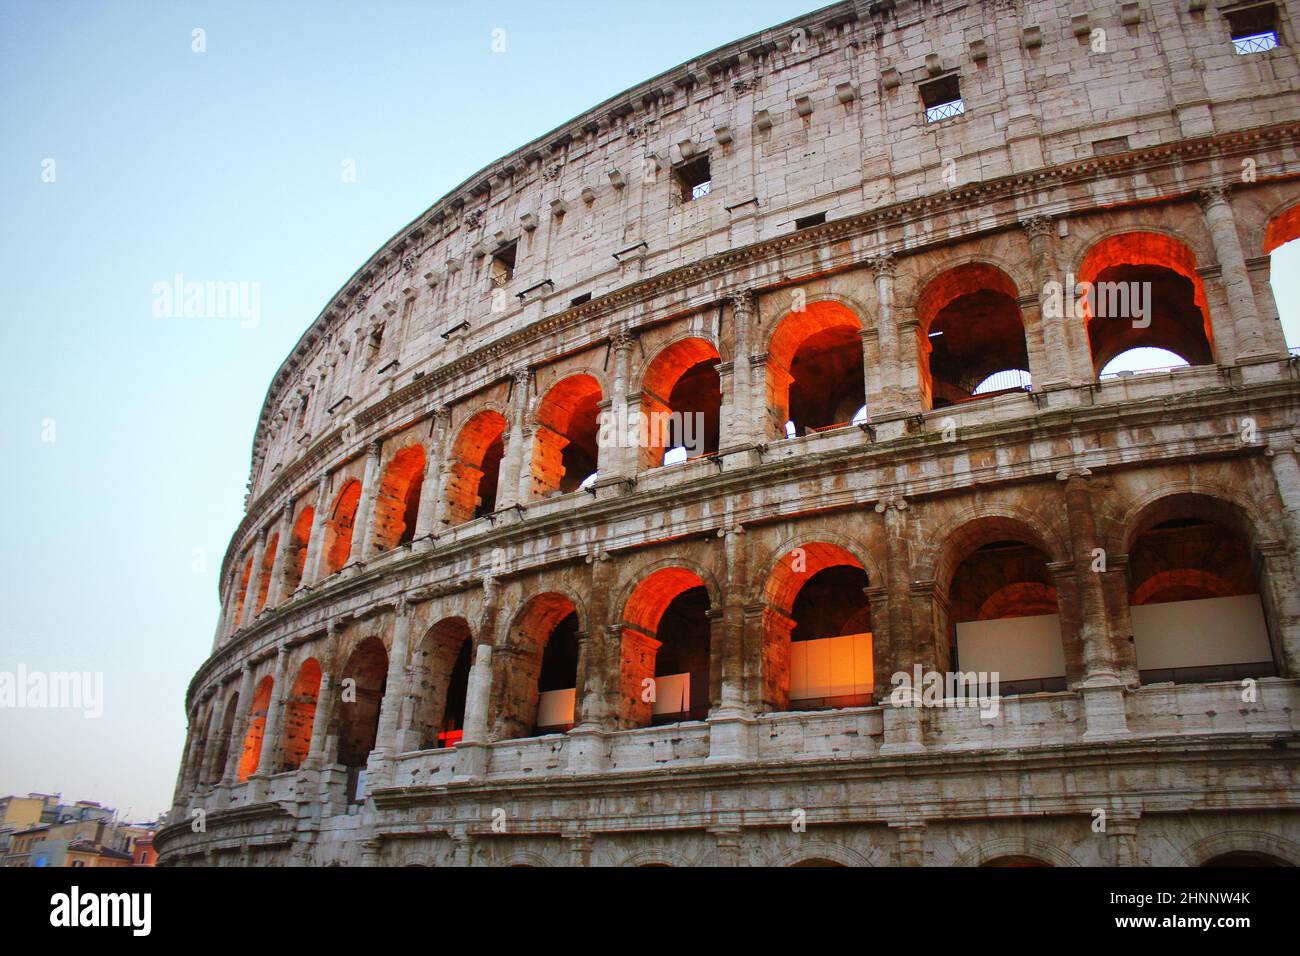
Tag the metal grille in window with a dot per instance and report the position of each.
(701, 190)
(943, 111)
(1258, 43)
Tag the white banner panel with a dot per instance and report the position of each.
(1201, 633)
(830, 667)
(555, 707)
(672, 694)
(1015, 648)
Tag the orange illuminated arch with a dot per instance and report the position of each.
(300, 715)
(682, 380)
(299, 541)
(1179, 321)
(970, 330)
(815, 376)
(338, 529)
(397, 504)
(475, 467)
(1282, 228)
(357, 716)
(816, 591)
(667, 641)
(542, 658)
(440, 671)
(565, 445)
(256, 729)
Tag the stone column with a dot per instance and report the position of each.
(911, 842)
(594, 706)
(471, 753)
(1056, 365)
(428, 522)
(912, 391)
(1121, 829)
(515, 481)
(1098, 652)
(618, 456)
(316, 540)
(727, 840)
(209, 772)
(268, 759)
(742, 424)
(731, 650)
(251, 592)
(276, 593)
(579, 848)
(902, 724)
(364, 526)
(886, 372)
(230, 772)
(1252, 344)
(395, 685)
(320, 722)
(192, 734)
(1286, 472)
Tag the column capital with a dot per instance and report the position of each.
(374, 447)
(1037, 226)
(1212, 195)
(441, 414)
(742, 302)
(883, 265)
(622, 340)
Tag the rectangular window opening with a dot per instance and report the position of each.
(942, 99)
(503, 263)
(694, 179)
(807, 222)
(580, 299)
(1254, 29)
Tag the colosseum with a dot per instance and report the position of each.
(739, 474)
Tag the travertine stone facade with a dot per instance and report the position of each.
(426, 567)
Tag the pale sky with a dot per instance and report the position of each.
(127, 438)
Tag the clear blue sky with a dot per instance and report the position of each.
(222, 166)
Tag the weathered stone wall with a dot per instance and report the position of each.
(1152, 147)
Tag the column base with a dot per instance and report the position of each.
(903, 731)
(588, 750)
(731, 736)
(1103, 708)
(471, 762)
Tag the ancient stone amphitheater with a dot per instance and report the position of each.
(639, 501)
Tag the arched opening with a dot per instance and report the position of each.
(476, 467)
(971, 336)
(565, 448)
(666, 650)
(681, 401)
(300, 715)
(252, 752)
(222, 754)
(197, 765)
(1194, 595)
(817, 861)
(441, 682)
(539, 670)
(264, 573)
(397, 504)
(360, 702)
(1283, 250)
(1244, 858)
(338, 529)
(1005, 621)
(1016, 860)
(1142, 290)
(817, 648)
(299, 541)
(1141, 360)
(815, 377)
